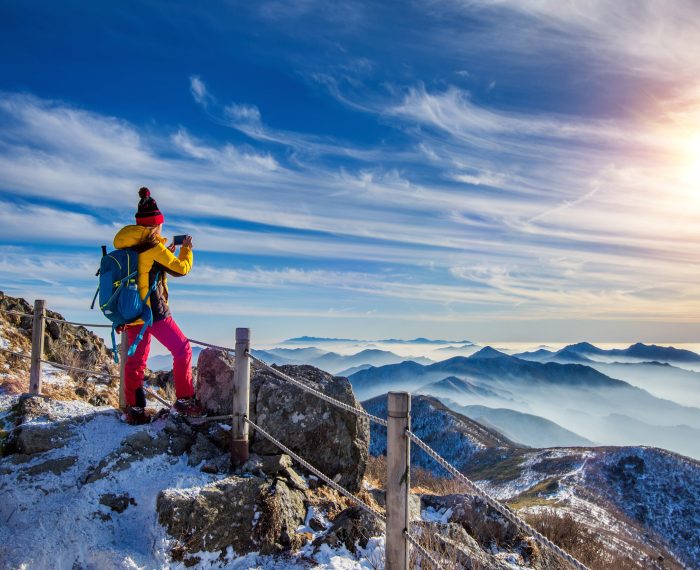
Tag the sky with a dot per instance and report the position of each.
(493, 170)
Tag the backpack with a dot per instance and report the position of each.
(119, 295)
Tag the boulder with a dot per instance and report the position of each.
(248, 514)
(41, 426)
(333, 440)
(215, 381)
(117, 503)
(481, 521)
(33, 439)
(176, 438)
(273, 464)
(352, 527)
(203, 450)
(57, 466)
(414, 503)
(452, 543)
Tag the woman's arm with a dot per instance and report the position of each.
(179, 265)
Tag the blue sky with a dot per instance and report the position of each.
(486, 169)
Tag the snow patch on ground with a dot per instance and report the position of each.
(55, 521)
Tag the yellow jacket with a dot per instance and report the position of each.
(135, 236)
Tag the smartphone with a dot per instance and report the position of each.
(177, 240)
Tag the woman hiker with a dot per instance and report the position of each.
(154, 261)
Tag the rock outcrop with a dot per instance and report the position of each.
(64, 344)
(331, 439)
(245, 513)
(353, 527)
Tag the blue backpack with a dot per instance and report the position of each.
(119, 295)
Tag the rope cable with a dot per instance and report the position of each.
(91, 325)
(360, 503)
(17, 313)
(62, 366)
(318, 394)
(496, 505)
(410, 538)
(224, 348)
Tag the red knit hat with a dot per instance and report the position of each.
(148, 213)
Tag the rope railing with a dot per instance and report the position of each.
(56, 319)
(81, 370)
(359, 502)
(20, 354)
(215, 346)
(419, 547)
(63, 366)
(91, 325)
(496, 505)
(321, 395)
(16, 313)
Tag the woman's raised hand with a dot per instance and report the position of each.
(187, 242)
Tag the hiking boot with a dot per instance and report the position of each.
(188, 407)
(136, 415)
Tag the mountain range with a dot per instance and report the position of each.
(636, 499)
(576, 397)
(419, 340)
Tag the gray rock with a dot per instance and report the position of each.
(414, 503)
(452, 543)
(283, 510)
(294, 480)
(215, 517)
(175, 439)
(220, 435)
(333, 440)
(215, 381)
(219, 464)
(202, 450)
(118, 503)
(482, 522)
(55, 466)
(31, 439)
(248, 514)
(352, 527)
(273, 464)
(316, 524)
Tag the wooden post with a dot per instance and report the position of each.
(398, 482)
(123, 355)
(241, 399)
(38, 327)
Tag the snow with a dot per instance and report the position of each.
(55, 521)
(438, 516)
(55, 376)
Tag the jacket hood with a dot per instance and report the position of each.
(131, 236)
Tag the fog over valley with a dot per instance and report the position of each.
(536, 394)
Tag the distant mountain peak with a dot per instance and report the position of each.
(487, 352)
(582, 347)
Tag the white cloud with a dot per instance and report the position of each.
(652, 38)
(199, 90)
(499, 223)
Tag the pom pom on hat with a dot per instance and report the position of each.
(148, 213)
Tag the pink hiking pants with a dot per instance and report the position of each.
(170, 336)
